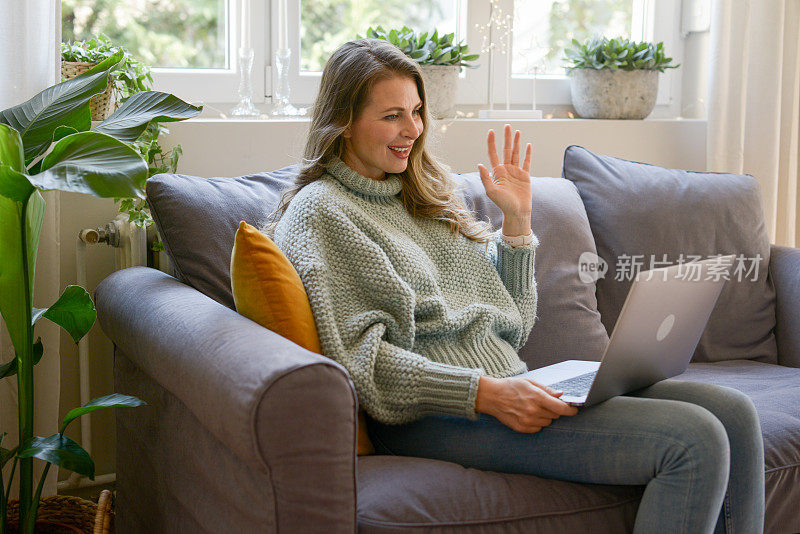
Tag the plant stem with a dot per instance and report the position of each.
(10, 478)
(25, 380)
(4, 501)
(30, 521)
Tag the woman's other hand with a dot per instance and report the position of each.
(509, 185)
(520, 403)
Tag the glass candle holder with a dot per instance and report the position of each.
(245, 107)
(281, 90)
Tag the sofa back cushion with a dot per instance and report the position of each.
(642, 215)
(197, 219)
(568, 325)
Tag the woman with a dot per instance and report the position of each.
(426, 308)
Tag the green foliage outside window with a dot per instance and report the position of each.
(160, 33)
(582, 19)
(319, 37)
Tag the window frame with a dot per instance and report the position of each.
(221, 85)
(555, 90)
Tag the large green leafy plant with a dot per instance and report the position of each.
(48, 143)
(617, 54)
(425, 49)
(128, 77)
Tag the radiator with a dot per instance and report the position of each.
(132, 246)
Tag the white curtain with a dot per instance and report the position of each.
(754, 103)
(30, 62)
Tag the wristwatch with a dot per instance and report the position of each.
(518, 240)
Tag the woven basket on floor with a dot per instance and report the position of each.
(85, 515)
(102, 105)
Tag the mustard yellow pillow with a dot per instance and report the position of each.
(268, 290)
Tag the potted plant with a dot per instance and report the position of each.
(127, 78)
(439, 59)
(615, 78)
(46, 143)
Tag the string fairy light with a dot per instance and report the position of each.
(496, 35)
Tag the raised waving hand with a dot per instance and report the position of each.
(509, 184)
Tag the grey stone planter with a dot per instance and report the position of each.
(613, 94)
(441, 88)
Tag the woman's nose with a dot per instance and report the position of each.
(412, 129)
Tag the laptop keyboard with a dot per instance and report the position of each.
(577, 386)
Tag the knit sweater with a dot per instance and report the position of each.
(414, 313)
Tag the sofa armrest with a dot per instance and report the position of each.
(784, 270)
(280, 408)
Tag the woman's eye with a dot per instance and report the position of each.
(392, 117)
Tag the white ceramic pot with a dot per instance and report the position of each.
(441, 88)
(613, 94)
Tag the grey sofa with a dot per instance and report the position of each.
(244, 431)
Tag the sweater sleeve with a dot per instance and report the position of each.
(515, 265)
(364, 313)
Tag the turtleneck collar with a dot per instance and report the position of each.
(386, 188)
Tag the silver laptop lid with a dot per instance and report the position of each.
(660, 324)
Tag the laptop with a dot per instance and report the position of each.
(657, 331)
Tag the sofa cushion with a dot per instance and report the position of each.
(568, 325)
(197, 220)
(639, 213)
(267, 290)
(775, 392)
(398, 493)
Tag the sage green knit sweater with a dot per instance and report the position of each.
(414, 313)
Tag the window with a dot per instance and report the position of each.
(193, 44)
(175, 34)
(544, 28)
(319, 38)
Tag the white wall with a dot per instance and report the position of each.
(229, 148)
(214, 147)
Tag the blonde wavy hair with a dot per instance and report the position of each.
(349, 75)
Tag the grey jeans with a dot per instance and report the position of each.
(697, 448)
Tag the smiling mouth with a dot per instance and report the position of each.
(400, 150)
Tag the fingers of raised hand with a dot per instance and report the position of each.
(507, 147)
(515, 150)
(526, 165)
(486, 177)
(493, 159)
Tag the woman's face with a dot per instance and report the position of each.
(391, 119)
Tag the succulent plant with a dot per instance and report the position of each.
(618, 53)
(425, 49)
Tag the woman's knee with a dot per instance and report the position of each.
(737, 407)
(732, 407)
(701, 439)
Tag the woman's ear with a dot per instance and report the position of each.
(346, 133)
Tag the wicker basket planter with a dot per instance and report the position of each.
(102, 105)
(69, 515)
